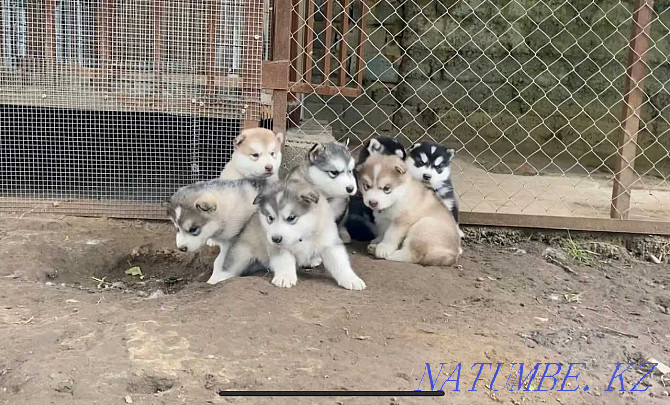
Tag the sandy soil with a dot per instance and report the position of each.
(67, 338)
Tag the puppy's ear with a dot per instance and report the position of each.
(238, 141)
(374, 146)
(400, 168)
(259, 199)
(310, 197)
(416, 145)
(280, 137)
(400, 153)
(346, 143)
(316, 150)
(206, 204)
(450, 155)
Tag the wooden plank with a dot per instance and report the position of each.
(325, 90)
(566, 223)
(329, 41)
(211, 46)
(282, 54)
(50, 46)
(343, 45)
(309, 42)
(158, 43)
(275, 75)
(362, 38)
(633, 99)
(295, 46)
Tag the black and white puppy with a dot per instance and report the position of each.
(360, 222)
(430, 163)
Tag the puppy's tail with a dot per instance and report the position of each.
(441, 257)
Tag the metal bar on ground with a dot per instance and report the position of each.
(567, 223)
(625, 175)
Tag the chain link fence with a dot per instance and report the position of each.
(529, 93)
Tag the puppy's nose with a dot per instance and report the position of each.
(373, 203)
(268, 168)
(276, 239)
(350, 189)
(427, 176)
(183, 248)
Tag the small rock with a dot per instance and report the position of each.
(142, 293)
(128, 399)
(531, 343)
(661, 368)
(480, 278)
(62, 383)
(156, 294)
(119, 284)
(666, 393)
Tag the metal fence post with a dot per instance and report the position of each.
(633, 98)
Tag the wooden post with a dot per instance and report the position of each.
(281, 53)
(633, 98)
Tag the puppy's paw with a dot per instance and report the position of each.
(352, 282)
(344, 236)
(315, 261)
(285, 281)
(384, 250)
(218, 277)
(372, 247)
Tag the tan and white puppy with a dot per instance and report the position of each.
(414, 226)
(256, 155)
(292, 226)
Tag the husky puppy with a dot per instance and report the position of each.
(215, 210)
(415, 226)
(361, 223)
(329, 168)
(256, 155)
(430, 164)
(292, 226)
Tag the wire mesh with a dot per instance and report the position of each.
(528, 93)
(106, 107)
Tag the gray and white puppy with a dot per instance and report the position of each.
(292, 226)
(330, 168)
(215, 210)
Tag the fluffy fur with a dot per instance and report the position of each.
(329, 168)
(256, 155)
(215, 210)
(414, 226)
(292, 226)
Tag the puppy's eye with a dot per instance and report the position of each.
(333, 173)
(255, 155)
(270, 219)
(194, 230)
(366, 187)
(387, 189)
(272, 154)
(291, 219)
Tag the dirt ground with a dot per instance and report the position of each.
(75, 329)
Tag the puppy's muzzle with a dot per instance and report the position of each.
(373, 203)
(268, 168)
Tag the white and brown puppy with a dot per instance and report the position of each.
(292, 226)
(256, 155)
(414, 225)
